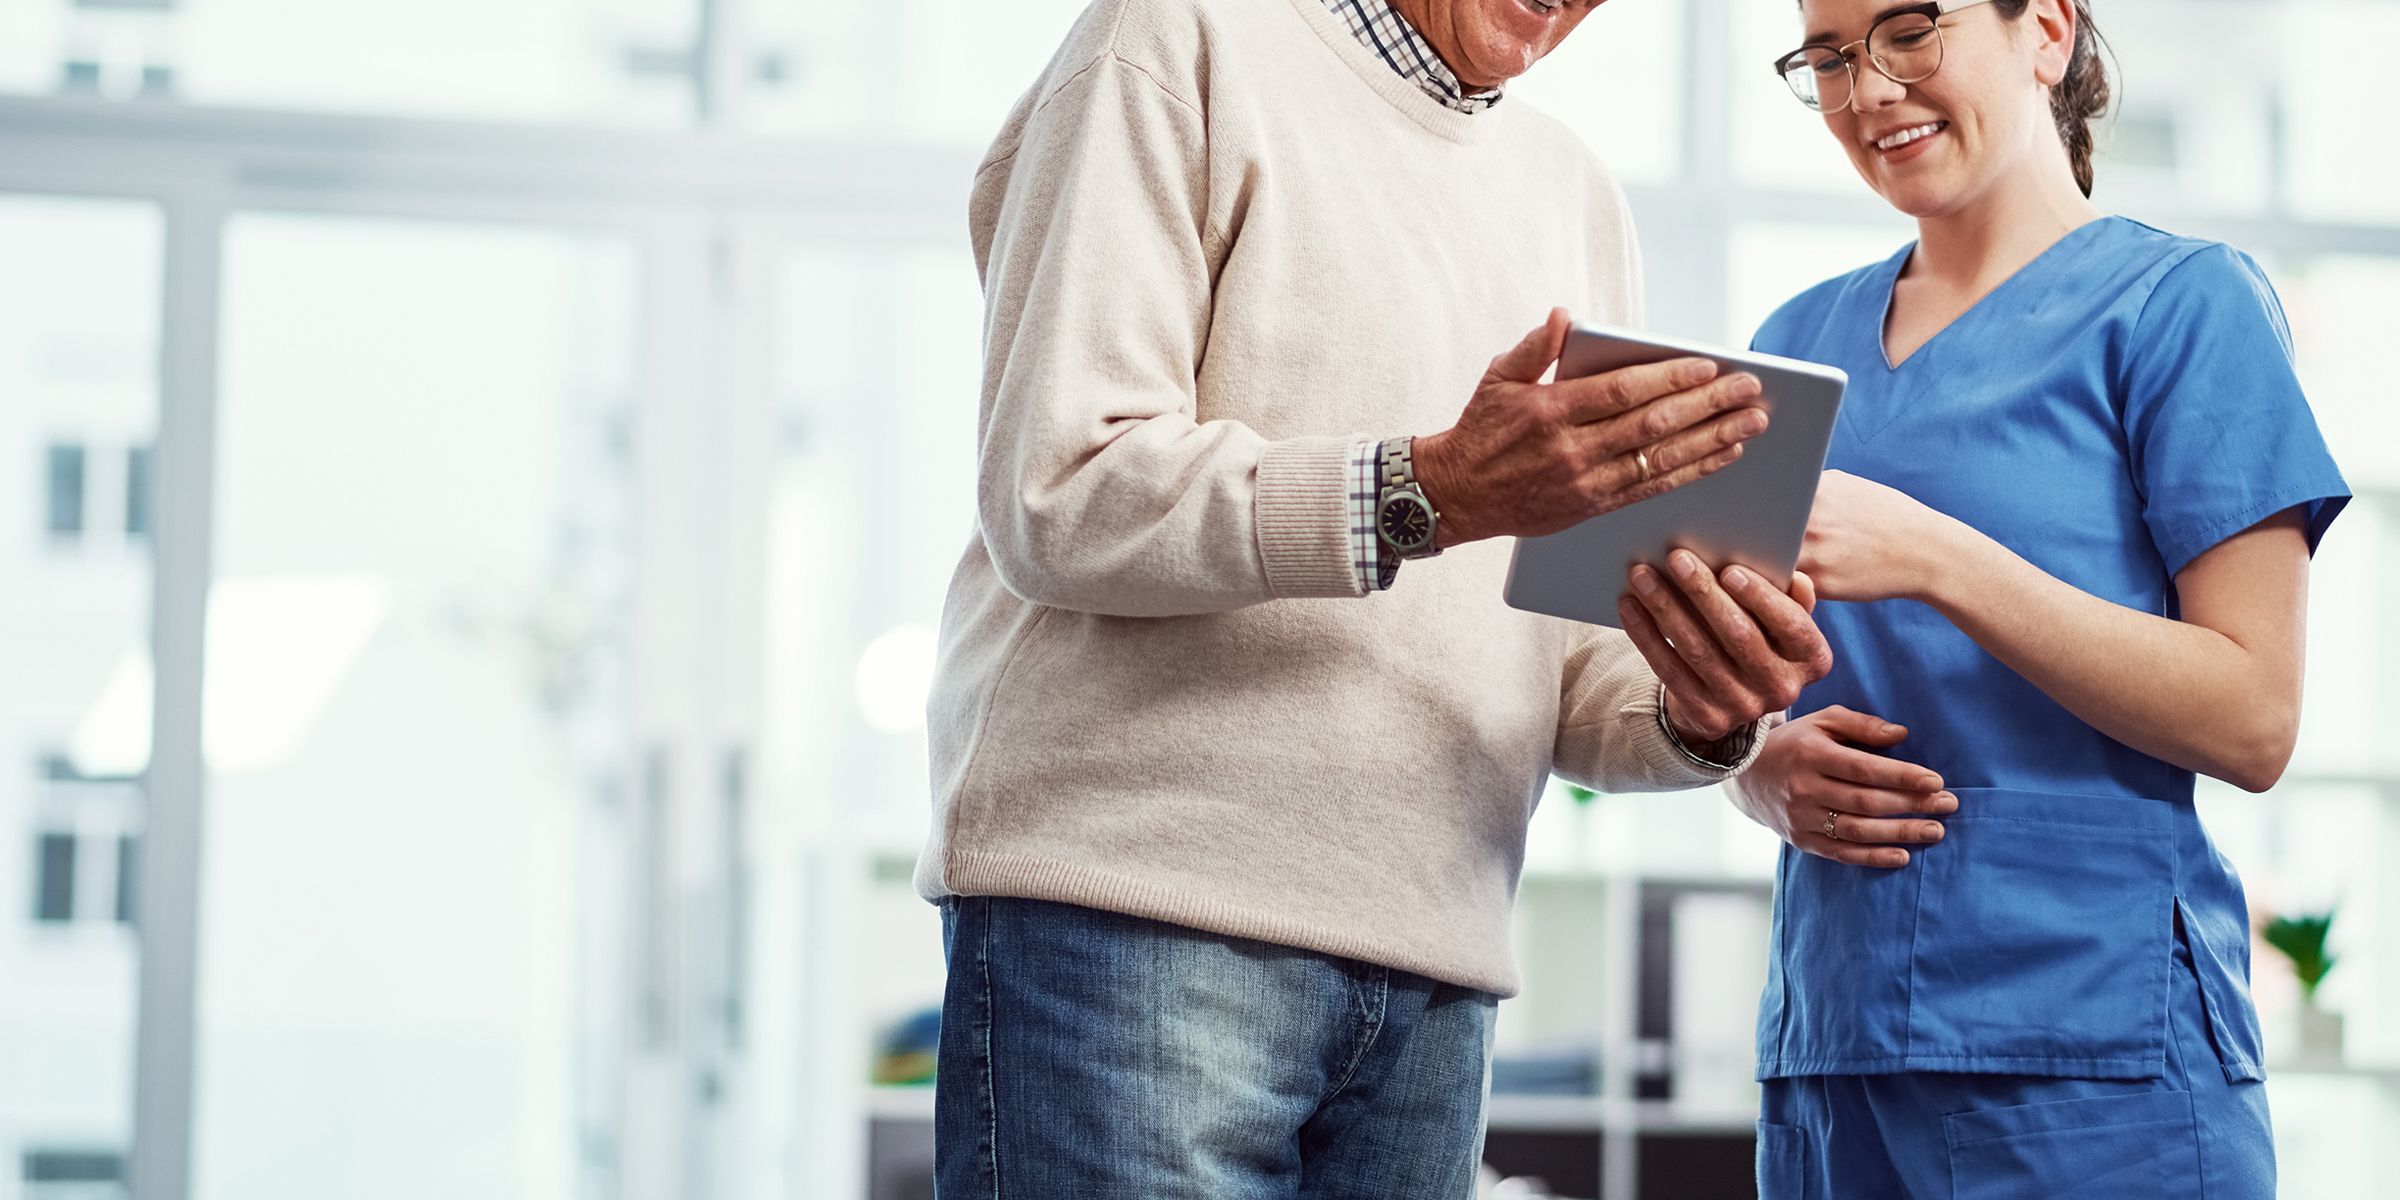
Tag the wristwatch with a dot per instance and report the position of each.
(1724, 754)
(1404, 518)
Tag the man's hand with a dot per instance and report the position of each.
(1528, 458)
(1730, 649)
(1815, 766)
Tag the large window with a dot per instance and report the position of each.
(635, 62)
(415, 696)
(79, 299)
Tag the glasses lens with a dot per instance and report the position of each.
(1819, 77)
(1907, 48)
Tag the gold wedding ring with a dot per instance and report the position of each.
(1828, 828)
(1641, 463)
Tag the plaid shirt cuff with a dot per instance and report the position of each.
(1377, 567)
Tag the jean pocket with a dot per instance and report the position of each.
(1783, 1166)
(2138, 1147)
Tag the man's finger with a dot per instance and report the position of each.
(1532, 355)
(1652, 643)
(1746, 649)
(1700, 441)
(1692, 641)
(1787, 624)
(1619, 483)
(1611, 394)
(1803, 591)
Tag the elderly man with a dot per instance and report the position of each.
(1231, 795)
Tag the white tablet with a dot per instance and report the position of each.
(1753, 512)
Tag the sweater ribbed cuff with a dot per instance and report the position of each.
(1303, 514)
(1672, 759)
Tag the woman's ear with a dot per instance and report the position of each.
(2051, 25)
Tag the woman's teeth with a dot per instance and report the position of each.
(1543, 7)
(1911, 134)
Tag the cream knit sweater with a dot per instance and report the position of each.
(1220, 241)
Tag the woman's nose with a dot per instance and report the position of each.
(1871, 89)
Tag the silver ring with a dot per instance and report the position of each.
(1641, 462)
(1828, 828)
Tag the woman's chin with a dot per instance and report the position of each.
(1915, 197)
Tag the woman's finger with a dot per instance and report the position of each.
(1879, 831)
(1866, 729)
(1818, 844)
(1875, 801)
(1866, 768)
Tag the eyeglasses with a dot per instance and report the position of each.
(1904, 45)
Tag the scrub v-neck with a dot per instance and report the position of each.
(1877, 400)
(1900, 264)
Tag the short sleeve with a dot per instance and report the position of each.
(2220, 435)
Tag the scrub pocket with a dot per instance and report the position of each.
(1783, 1167)
(2138, 1147)
(2044, 936)
(2225, 995)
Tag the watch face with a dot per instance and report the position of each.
(1405, 522)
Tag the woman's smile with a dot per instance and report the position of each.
(1906, 143)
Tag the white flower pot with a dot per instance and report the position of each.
(2320, 1033)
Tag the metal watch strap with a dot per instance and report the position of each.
(1396, 471)
(1396, 464)
(1738, 742)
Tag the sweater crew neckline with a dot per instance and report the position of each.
(1412, 102)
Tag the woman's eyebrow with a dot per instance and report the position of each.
(1826, 37)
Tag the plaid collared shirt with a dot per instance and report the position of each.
(1399, 44)
(1381, 27)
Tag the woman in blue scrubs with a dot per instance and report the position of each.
(2062, 557)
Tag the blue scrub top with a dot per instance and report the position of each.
(2119, 406)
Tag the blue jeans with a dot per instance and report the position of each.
(1086, 1054)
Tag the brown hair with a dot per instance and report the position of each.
(2081, 96)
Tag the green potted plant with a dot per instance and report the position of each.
(2301, 937)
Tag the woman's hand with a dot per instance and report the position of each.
(1870, 542)
(1815, 766)
(1731, 648)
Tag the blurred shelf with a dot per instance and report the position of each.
(1509, 1113)
(2387, 1074)
(1671, 1117)
(1518, 1113)
(892, 1103)
(1690, 879)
